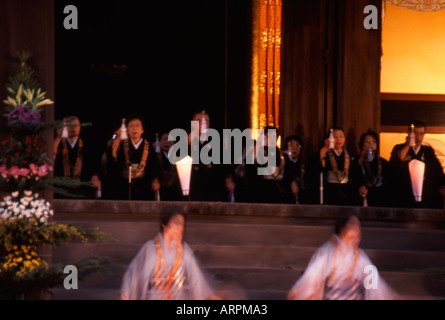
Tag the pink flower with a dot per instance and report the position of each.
(43, 170)
(23, 172)
(34, 169)
(14, 171)
(4, 171)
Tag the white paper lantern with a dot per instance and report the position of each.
(417, 170)
(184, 168)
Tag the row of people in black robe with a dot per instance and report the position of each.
(134, 169)
(371, 180)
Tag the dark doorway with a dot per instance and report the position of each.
(180, 57)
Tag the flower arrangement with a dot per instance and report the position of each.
(23, 116)
(26, 207)
(25, 217)
(24, 161)
(24, 166)
(22, 235)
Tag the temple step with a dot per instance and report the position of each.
(256, 256)
(217, 231)
(253, 284)
(251, 255)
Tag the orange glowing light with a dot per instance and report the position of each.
(266, 63)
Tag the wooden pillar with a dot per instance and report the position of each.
(358, 70)
(330, 70)
(29, 25)
(303, 106)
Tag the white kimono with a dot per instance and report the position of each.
(189, 282)
(337, 272)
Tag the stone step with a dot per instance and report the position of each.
(256, 252)
(254, 279)
(85, 294)
(403, 216)
(252, 284)
(220, 233)
(114, 294)
(406, 284)
(247, 256)
(252, 295)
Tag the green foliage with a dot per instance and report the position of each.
(27, 231)
(23, 88)
(53, 276)
(26, 144)
(96, 264)
(40, 278)
(21, 268)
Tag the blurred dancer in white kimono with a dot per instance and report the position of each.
(336, 270)
(166, 268)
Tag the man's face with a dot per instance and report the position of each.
(165, 144)
(135, 129)
(294, 147)
(73, 129)
(419, 134)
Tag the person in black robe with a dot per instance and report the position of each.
(267, 188)
(294, 168)
(73, 159)
(373, 181)
(334, 164)
(133, 165)
(206, 182)
(434, 178)
(169, 179)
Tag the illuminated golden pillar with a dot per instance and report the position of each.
(266, 62)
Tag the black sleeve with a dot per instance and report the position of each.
(312, 180)
(154, 168)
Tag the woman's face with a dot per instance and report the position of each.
(339, 138)
(370, 142)
(351, 233)
(174, 230)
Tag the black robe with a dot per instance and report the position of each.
(434, 178)
(87, 168)
(140, 187)
(170, 184)
(265, 189)
(379, 186)
(293, 171)
(206, 181)
(333, 193)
